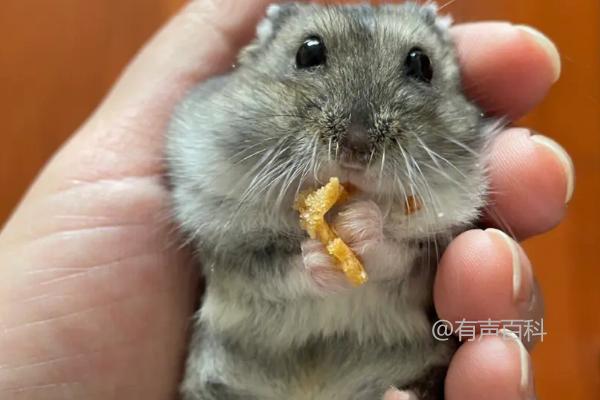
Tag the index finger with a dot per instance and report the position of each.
(507, 69)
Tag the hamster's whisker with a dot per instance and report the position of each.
(433, 155)
(403, 193)
(260, 175)
(401, 186)
(305, 171)
(264, 158)
(429, 153)
(381, 168)
(313, 158)
(268, 157)
(318, 168)
(300, 170)
(256, 153)
(499, 220)
(251, 147)
(446, 4)
(282, 177)
(409, 173)
(371, 158)
(432, 212)
(441, 172)
(395, 179)
(265, 186)
(289, 177)
(435, 202)
(461, 145)
(273, 116)
(408, 168)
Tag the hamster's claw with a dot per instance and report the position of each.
(322, 271)
(360, 225)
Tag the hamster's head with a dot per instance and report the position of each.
(370, 94)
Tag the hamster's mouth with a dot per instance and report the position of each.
(352, 166)
(357, 175)
(354, 172)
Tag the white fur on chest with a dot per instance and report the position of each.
(370, 312)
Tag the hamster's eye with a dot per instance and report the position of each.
(418, 65)
(312, 53)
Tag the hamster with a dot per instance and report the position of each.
(369, 94)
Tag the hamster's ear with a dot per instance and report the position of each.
(431, 14)
(276, 16)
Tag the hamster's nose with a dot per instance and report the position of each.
(355, 143)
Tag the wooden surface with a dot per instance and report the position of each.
(58, 58)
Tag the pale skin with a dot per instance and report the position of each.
(95, 298)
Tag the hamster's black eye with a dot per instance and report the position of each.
(418, 65)
(312, 53)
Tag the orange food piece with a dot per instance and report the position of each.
(412, 205)
(312, 208)
(348, 261)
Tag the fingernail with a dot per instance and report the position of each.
(526, 384)
(565, 160)
(548, 46)
(522, 273)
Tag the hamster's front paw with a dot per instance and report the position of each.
(321, 268)
(360, 225)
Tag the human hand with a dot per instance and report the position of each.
(94, 296)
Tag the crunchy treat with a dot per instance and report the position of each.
(348, 261)
(312, 208)
(412, 205)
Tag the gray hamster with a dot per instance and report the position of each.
(369, 94)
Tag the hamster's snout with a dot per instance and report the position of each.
(355, 144)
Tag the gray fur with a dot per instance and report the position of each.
(240, 148)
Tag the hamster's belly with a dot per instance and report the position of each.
(339, 369)
(373, 312)
(352, 346)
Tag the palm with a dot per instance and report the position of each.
(100, 283)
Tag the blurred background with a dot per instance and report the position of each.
(58, 59)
